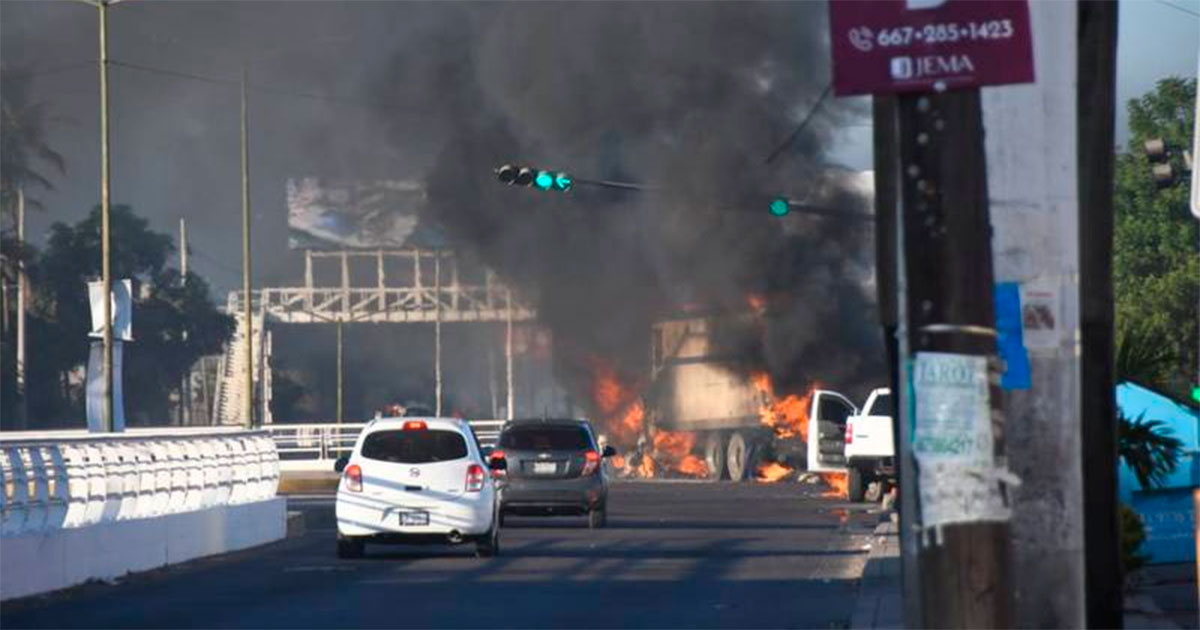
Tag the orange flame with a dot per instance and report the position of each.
(788, 416)
(620, 408)
(770, 472)
(839, 485)
(673, 449)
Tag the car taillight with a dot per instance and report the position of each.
(475, 478)
(849, 433)
(353, 476)
(591, 462)
(497, 473)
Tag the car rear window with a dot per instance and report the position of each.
(561, 438)
(414, 447)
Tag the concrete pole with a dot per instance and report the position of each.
(1033, 181)
(508, 352)
(247, 298)
(308, 279)
(437, 330)
(106, 415)
(340, 372)
(381, 277)
(185, 386)
(22, 289)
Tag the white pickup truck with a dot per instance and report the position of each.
(870, 449)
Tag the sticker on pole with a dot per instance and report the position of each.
(892, 46)
(953, 442)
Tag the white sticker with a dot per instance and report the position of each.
(952, 441)
(1039, 315)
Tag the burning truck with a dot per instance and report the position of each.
(705, 413)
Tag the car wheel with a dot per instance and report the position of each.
(737, 457)
(598, 518)
(489, 545)
(714, 456)
(349, 547)
(854, 484)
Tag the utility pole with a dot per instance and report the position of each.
(185, 385)
(508, 351)
(1095, 104)
(964, 565)
(106, 415)
(248, 408)
(22, 290)
(890, 292)
(340, 372)
(437, 330)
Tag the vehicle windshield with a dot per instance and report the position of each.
(547, 438)
(882, 406)
(414, 447)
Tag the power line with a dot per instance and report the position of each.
(800, 129)
(1179, 8)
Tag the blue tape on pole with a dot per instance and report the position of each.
(1010, 340)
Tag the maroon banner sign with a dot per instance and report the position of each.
(889, 46)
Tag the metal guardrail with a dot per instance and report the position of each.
(317, 446)
(71, 479)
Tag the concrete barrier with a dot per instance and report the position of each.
(76, 506)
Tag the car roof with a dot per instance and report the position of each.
(397, 422)
(558, 422)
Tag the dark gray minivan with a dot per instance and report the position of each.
(552, 467)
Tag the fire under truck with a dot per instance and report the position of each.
(696, 386)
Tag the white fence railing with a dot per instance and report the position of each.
(70, 479)
(317, 446)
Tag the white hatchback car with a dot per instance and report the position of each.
(416, 481)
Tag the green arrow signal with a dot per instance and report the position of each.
(779, 207)
(562, 181)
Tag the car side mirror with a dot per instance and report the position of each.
(498, 463)
(340, 464)
(609, 451)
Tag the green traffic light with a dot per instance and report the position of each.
(563, 181)
(1196, 394)
(544, 180)
(779, 207)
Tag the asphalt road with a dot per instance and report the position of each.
(674, 555)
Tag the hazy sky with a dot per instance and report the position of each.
(168, 129)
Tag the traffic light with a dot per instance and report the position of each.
(537, 178)
(779, 207)
(1161, 169)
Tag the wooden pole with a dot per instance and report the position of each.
(964, 566)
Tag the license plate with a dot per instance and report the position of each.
(545, 468)
(415, 517)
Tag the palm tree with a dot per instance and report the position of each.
(1149, 449)
(1140, 358)
(24, 130)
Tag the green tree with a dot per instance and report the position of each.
(1156, 264)
(164, 308)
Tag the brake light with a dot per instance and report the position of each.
(415, 425)
(591, 462)
(497, 454)
(475, 478)
(353, 476)
(849, 432)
